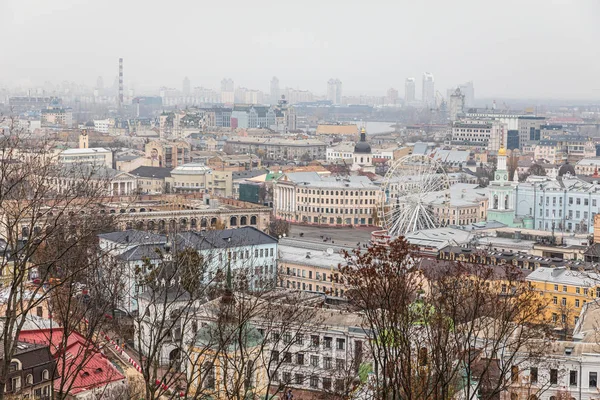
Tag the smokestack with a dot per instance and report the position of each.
(120, 94)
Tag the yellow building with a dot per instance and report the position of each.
(226, 363)
(566, 291)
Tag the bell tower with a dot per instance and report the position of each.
(84, 140)
(501, 194)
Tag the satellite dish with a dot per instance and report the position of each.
(330, 251)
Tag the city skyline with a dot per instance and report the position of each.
(306, 54)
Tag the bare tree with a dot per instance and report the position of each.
(440, 329)
(40, 209)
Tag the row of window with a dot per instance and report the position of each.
(338, 192)
(578, 290)
(314, 381)
(319, 200)
(245, 254)
(573, 376)
(335, 210)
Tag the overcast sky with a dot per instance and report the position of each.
(509, 48)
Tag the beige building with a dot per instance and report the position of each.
(165, 153)
(152, 180)
(311, 198)
(279, 149)
(197, 177)
(468, 203)
(310, 267)
(236, 162)
(337, 129)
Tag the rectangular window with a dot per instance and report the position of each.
(299, 379)
(287, 377)
(287, 357)
(314, 361)
(577, 290)
(327, 363)
(327, 383)
(533, 374)
(553, 376)
(514, 373)
(340, 344)
(556, 287)
(593, 379)
(328, 341)
(576, 302)
(563, 301)
(555, 300)
(572, 378)
(300, 359)
(314, 340)
(314, 382)
(564, 288)
(340, 364)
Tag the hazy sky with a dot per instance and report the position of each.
(509, 48)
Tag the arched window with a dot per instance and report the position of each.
(29, 379)
(45, 375)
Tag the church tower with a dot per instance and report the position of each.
(501, 205)
(84, 140)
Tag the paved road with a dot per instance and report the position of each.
(340, 236)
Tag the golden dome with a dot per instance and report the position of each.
(363, 130)
(502, 151)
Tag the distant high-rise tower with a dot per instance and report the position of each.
(428, 96)
(120, 94)
(392, 96)
(227, 91)
(469, 91)
(99, 83)
(187, 86)
(456, 104)
(274, 90)
(409, 90)
(334, 91)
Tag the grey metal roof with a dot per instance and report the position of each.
(151, 172)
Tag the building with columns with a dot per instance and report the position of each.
(310, 198)
(501, 194)
(113, 182)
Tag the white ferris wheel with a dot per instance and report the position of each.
(410, 187)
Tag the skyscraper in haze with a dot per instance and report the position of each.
(186, 87)
(274, 90)
(100, 83)
(469, 91)
(334, 91)
(227, 91)
(392, 96)
(409, 90)
(428, 96)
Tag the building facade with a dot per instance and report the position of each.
(307, 197)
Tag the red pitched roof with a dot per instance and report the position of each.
(86, 368)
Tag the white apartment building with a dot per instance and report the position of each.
(480, 134)
(102, 125)
(341, 151)
(97, 156)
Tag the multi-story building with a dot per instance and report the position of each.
(334, 91)
(227, 91)
(565, 204)
(316, 359)
(252, 116)
(31, 372)
(480, 134)
(469, 91)
(341, 151)
(279, 149)
(391, 97)
(566, 291)
(456, 104)
(428, 93)
(311, 198)
(197, 177)
(466, 204)
(66, 177)
(529, 129)
(244, 249)
(102, 125)
(97, 156)
(168, 154)
(558, 149)
(274, 91)
(410, 91)
(310, 267)
(54, 116)
(152, 180)
(588, 166)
